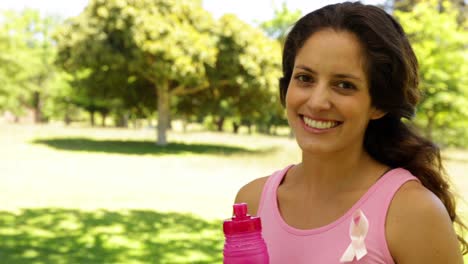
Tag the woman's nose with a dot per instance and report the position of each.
(319, 97)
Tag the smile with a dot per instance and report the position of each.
(319, 124)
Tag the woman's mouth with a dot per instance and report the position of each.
(319, 124)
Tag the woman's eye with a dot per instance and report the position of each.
(303, 78)
(346, 85)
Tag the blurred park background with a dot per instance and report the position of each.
(127, 128)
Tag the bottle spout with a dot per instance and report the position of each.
(241, 221)
(240, 211)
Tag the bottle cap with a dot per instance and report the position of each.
(241, 222)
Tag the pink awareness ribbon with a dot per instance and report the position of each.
(357, 231)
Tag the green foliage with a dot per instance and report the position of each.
(61, 102)
(26, 61)
(95, 58)
(243, 82)
(9, 71)
(178, 48)
(283, 20)
(166, 43)
(131, 58)
(440, 45)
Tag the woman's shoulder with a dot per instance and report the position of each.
(419, 229)
(251, 194)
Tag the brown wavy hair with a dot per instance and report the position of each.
(392, 71)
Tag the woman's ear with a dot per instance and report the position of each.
(377, 114)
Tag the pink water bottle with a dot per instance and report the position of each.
(244, 243)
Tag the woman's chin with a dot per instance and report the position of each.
(314, 147)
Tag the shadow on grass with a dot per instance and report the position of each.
(51, 236)
(140, 147)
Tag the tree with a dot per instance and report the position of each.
(244, 80)
(277, 28)
(98, 91)
(163, 42)
(408, 5)
(440, 45)
(28, 60)
(10, 71)
(281, 23)
(60, 103)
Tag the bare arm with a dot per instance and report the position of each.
(251, 194)
(419, 229)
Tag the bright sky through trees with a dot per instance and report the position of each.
(247, 10)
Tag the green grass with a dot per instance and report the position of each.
(93, 195)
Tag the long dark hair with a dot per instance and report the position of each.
(392, 71)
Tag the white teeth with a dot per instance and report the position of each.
(319, 124)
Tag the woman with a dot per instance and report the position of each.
(369, 189)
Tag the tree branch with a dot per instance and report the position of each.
(181, 89)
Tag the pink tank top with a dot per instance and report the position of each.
(327, 244)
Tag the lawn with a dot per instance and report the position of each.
(94, 195)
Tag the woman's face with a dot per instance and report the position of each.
(328, 103)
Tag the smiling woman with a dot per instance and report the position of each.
(369, 187)
(328, 95)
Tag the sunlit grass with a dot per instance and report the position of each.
(38, 158)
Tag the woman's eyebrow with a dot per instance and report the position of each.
(305, 68)
(347, 76)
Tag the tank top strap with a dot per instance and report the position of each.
(379, 201)
(387, 186)
(395, 178)
(268, 197)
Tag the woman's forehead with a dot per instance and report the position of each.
(332, 50)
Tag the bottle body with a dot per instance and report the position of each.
(245, 248)
(244, 243)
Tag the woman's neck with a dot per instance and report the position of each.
(329, 174)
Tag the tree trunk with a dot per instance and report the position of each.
(235, 127)
(37, 107)
(263, 129)
(163, 112)
(91, 115)
(122, 120)
(104, 115)
(248, 124)
(67, 118)
(220, 124)
(135, 121)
